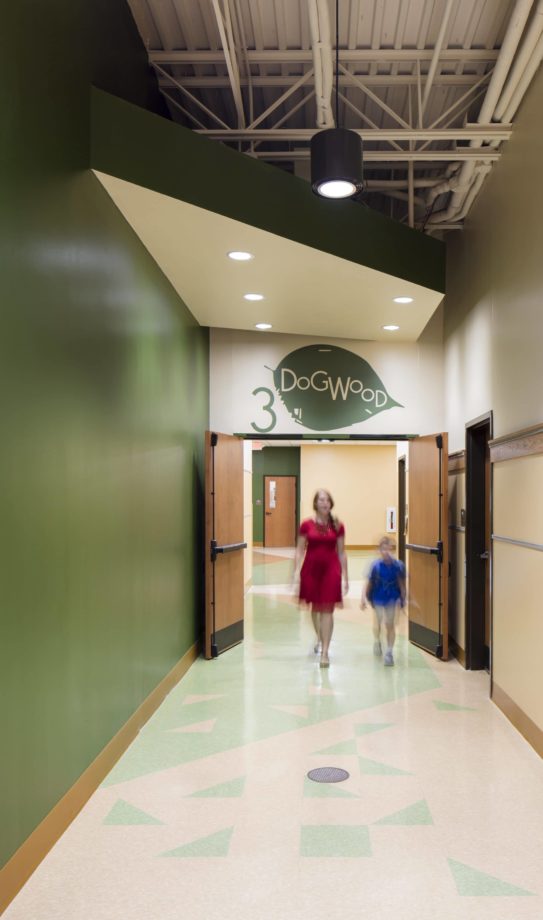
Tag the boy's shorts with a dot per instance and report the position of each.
(386, 614)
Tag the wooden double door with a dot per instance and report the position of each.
(224, 543)
(427, 549)
(427, 546)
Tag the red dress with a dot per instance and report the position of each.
(320, 576)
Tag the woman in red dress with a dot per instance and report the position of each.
(322, 540)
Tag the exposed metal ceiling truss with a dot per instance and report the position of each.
(431, 86)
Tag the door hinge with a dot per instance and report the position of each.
(439, 441)
(214, 438)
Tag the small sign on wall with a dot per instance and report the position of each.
(391, 520)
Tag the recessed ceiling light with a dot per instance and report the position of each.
(238, 256)
(403, 300)
(391, 328)
(263, 326)
(254, 296)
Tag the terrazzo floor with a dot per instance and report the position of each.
(210, 814)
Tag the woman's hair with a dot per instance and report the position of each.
(333, 520)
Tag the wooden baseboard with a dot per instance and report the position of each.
(27, 858)
(527, 728)
(457, 651)
(362, 546)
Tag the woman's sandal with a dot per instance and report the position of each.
(324, 662)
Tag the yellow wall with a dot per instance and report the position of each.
(518, 571)
(362, 481)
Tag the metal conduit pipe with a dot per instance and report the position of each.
(447, 184)
(524, 81)
(481, 173)
(521, 63)
(503, 64)
(319, 26)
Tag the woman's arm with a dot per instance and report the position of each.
(298, 556)
(343, 560)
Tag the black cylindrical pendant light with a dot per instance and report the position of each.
(336, 153)
(336, 163)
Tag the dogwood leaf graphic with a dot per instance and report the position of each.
(325, 387)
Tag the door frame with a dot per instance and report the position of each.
(402, 491)
(476, 542)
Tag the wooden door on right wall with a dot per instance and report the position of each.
(427, 560)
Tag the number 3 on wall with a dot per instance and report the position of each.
(265, 408)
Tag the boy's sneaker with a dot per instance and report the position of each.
(377, 650)
(388, 660)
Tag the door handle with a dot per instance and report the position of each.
(225, 548)
(436, 550)
(485, 555)
(268, 513)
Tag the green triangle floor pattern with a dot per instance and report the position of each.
(286, 676)
(418, 813)
(473, 883)
(375, 768)
(366, 728)
(214, 845)
(450, 707)
(313, 790)
(330, 840)
(232, 789)
(125, 813)
(344, 747)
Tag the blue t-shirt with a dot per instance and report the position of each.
(384, 582)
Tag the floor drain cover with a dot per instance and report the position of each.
(328, 775)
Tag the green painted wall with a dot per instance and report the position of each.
(104, 390)
(272, 461)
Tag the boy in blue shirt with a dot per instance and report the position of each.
(384, 590)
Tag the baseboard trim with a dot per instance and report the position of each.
(457, 651)
(362, 546)
(27, 858)
(527, 728)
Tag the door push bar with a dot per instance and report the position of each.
(225, 548)
(436, 550)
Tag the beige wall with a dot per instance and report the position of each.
(518, 571)
(493, 332)
(493, 317)
(362, 481)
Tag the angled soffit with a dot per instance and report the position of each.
(323, 268)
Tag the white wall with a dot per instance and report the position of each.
(241, 362)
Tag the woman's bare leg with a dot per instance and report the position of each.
(316, 617)
(327, 628)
